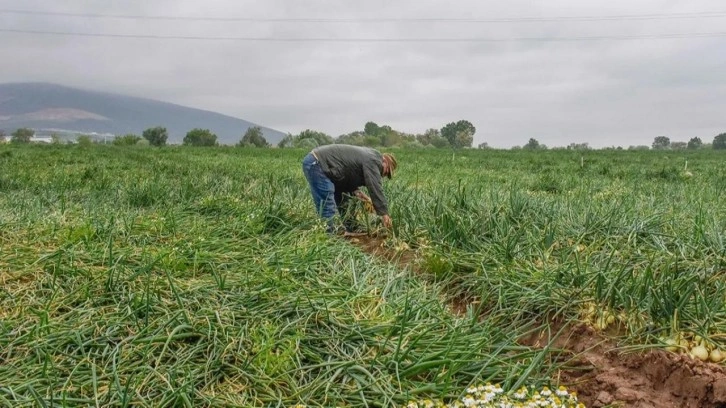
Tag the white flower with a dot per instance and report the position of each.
(521, 393)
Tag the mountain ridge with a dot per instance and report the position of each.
(43, 105)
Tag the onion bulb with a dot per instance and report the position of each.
(700, 353)
(716, 356)
(671, 345)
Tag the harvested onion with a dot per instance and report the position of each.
(700, 353)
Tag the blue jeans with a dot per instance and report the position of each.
(322, 189)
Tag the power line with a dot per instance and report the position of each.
(658, 16)
(369, 40)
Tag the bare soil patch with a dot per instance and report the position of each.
(603, 375)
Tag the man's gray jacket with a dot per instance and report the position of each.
(350, 167)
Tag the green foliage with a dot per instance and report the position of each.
(384, 136)
(578, 146)
(146, 277)
(253, 137)
(639, 147)
(459, 134)
(286, 142)
(371, 128)
(464, 139)
(22, 135)
(320, 138)
(440, 142)
(200, 137)
(307, 144)
(661, 142)
(126, 140)
(308, 139)
(156, 136)
(719, 142)
(428, 136)
(371, 141)
(55, 139)
(84, 140)
(354, 138)
(695, 143)
(532, 144)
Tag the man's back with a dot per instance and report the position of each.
(349, 166)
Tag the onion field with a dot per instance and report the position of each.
(188, 277)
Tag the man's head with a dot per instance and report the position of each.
(389, 165)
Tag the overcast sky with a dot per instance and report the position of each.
(605, 92)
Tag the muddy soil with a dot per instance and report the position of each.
(603, 375)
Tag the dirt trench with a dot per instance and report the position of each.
(602, 375)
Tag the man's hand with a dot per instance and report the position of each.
(362, 196)
(387, 222)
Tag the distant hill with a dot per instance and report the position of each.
(44, 106)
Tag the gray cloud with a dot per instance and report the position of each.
(608, 92)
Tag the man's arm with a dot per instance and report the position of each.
(372, 177)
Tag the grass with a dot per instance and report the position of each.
(201, 277)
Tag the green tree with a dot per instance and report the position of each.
(286, 141)
(372, 141)
(532, 144)
(126, 140)
(354, 138)
(679, 145)
(428, 136)
(156, 136)
(578, 146)
(719, 142)
(440, 142)
(320, 138)
(84, 140)
(459, 133)
(22, 135)
(695, 143)
(253, 137)
(307, 143)
(464, 138)
(55, 139)
(390, 137)
(200, 137)
(372, 129)
(661, 142)
(411, 144)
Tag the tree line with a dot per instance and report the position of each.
(659, 143)
(458, 134)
